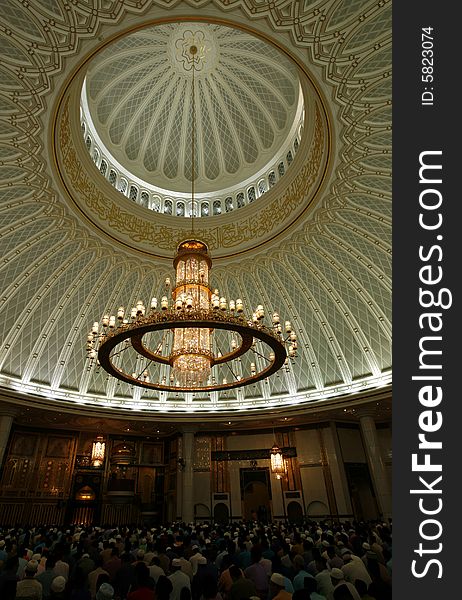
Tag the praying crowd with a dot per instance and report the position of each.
(240, 561)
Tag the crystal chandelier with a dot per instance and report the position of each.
(197, 339)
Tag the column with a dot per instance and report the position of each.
(6, 421)
(376, 464)
(336, 480)
(187, 513)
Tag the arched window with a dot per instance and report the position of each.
(251, 194)
(271, 178)
(88, 143)
(84, 128)
(95, 155)
(216, 207)
(180, 209)
(123, 186)
(262, 186)
(289, 157)
(229, 204)
(296, 144)
(168, 207)
(133, 195)
(281, 169)
(144, 199)
(240, 200)
(156, 203)
(204, 209)
(112, 177)
(103, 168)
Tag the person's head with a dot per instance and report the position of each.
(175, 564)
(58, 585)
(277, 583)
(336, 576)
(105, 592)
(155, 561)
(201, 562)
(31, 569)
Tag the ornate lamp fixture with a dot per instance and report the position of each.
(192, 331)
(278, 464)
(98, 450)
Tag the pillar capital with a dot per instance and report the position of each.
(188, 429)
(9, 410)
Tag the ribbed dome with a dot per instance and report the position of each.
(139, 94)
(329, 273)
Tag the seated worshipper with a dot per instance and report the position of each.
(94, 575)
(311, 586)
(242, 587)
(164, 588)
(113, 564)
(143, 588)
(354, 568)
(243, 557)
(46, 576)
(257, 573)
(155, 570)
(380, 588)
(203, 571)
(225, 581)
(78, 585)
(29, 587)
(323, 579)
(333, 560)
(125, 576)
(299, 579)
(9, 578)
(194, 560)
(374, 566)
(178, 579)
(277, 587)
(210, 589)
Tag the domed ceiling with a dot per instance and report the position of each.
(315, 247)
(139, 102)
